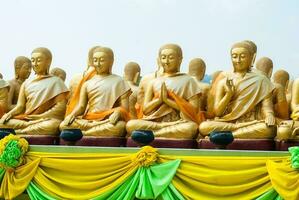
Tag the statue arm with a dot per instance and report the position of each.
(3, 98)
(295, 96)
(222, 98)
(83, 100)
(21, 104)
(124, 100)
(149, 104)
(10, 96)
(267, 110)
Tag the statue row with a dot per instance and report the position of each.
(172, 104)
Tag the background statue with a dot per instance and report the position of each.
(22, 67)
(4, 88)
(59, 73)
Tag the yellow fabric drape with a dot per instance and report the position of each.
(225, 177)
(15, 182)
(284, 178)
(81, 175)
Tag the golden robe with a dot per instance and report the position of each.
(165, 121)
(103, 93)
(245, 113)
(44, 96)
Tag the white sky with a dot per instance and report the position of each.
(135, 29)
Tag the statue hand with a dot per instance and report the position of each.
(5, 118)
(270, 120)
(114, 117)
(229, 87)
(69, 120)
(163, 92)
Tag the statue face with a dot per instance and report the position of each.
(24, 71)
(40, 63)
(170, 60)
(102, 62)
(241, 59)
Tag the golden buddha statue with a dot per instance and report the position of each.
(171, 100)
(197, 70)
(103, 103)
(289, 92)
(59, 73)
(281, 105)
(4, 88)
(289, 129)
(22, 67)
(243, 100)
(131, 76)
(78, 80)
(41, 104)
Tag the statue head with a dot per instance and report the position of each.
(132, 72)
(58, 72)
(265, 65)
(90, 55)
(254, 47)
(197, 68)
(281, 77)
(22, 66)
(103, 58)
(41, 59)
(242, 55)
(171, 56)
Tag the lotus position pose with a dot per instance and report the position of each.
(243, 100)
(22, 72)
(131, 76)
(4, 87)
(103, 103)
(197, 70)
(41, 104)
(171, 100)
(59, 73)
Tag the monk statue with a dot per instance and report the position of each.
(289, 92)
(4, 88)
(103, 103)
(78, 80)
(265, 66)
(131, 76)
(59, 73)
(41, 103)
(197, 70)
(243, 100)
(171, 100)
(281, 106)
(289, 129)
(22, 67)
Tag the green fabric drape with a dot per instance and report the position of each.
(270, 195)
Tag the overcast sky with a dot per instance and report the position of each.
(135, 29)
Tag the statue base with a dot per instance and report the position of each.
(41, 139)
(166, 143)
(241, 144)
(98, 141)
(284, 145)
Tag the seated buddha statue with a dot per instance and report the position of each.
(243, 100)
(4, 88)
(103, 103)
(171, 100)
(22, 67)
(131, 76)
(41, 103)
(289, 129)
(197, 70)
(59, 73)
